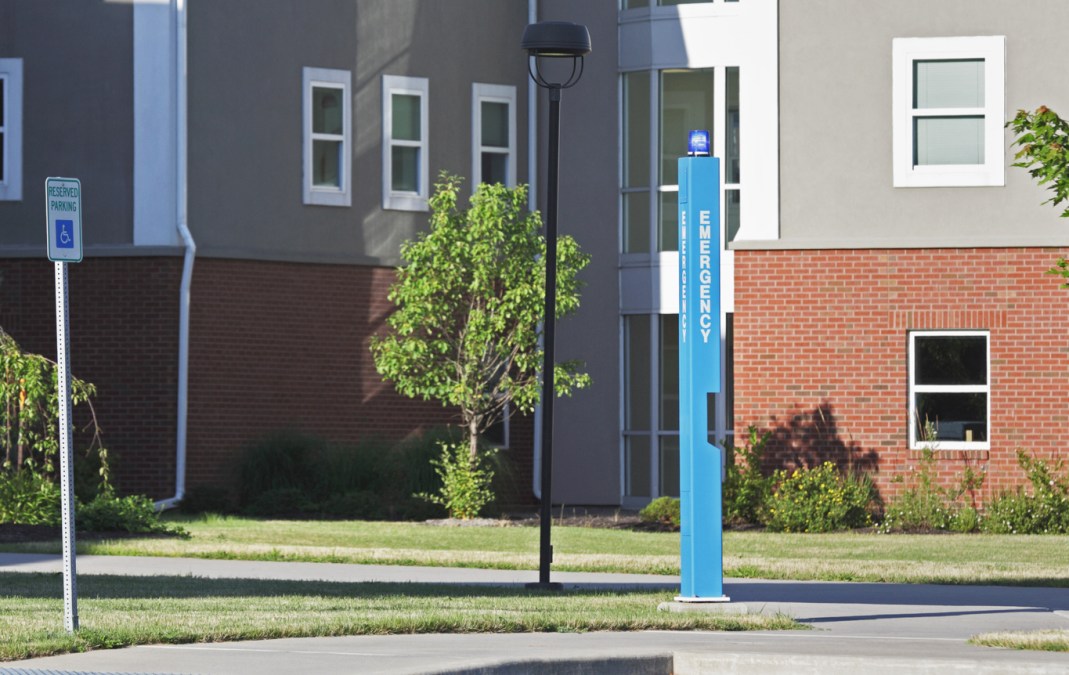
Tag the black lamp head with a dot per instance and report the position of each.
(556, 39)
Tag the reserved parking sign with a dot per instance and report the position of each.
(63, 206)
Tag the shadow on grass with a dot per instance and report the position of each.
(105, 587)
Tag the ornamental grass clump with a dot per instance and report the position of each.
(1043, 511)
(819, 499)
(924, 506)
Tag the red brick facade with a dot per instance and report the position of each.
(821, 353)
(273, 346)
(124, 339)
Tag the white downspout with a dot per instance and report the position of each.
(182, 138)
(532, 204)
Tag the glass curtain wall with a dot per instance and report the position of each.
(658, 109)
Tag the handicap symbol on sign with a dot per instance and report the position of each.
(63, 234)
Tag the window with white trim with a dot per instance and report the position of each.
(948, 111)
(327, 131)
(10, 129)
(405, 179)
(493, 133)
(949, 390)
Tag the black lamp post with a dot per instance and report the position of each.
(552, 40)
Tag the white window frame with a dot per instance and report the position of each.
(492, 93)
(341, 80)
(906, 51)
(915, 441)
(11, 81)
(393, 199)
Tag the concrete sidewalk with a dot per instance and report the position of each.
(878, 628)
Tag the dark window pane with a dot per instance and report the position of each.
(326, 110)
(733, 215)
(637, 349)
(951, 359)
(732, 173)
(638, 466)
(637, 124)
(405, 177)
(3, 87)
(495, 168)
(326, 163)
(406, 117)
(956, 417)
(3, 175)
(669, 466)
(686, 104)
(668, 223)
(495, 434)
(669, 367)
(495, 121)
(636, 222)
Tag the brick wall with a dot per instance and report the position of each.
(124, 339)
(279, 346)
(821, 353)
(274, 346)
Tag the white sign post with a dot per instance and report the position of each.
(63, 205)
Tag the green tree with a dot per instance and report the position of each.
(1043, 139)
(469, 305)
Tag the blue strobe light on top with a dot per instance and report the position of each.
(698, 143)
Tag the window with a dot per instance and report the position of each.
(950, 387)
(497, 434)
(404, 143)
(659, 109)
(10, 129)
(327, 147)
(651, 404)
(948, 111)
(493, 133)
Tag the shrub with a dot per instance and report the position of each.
(285, 502)
(109, 513)
(663, 511)
(465, 482)
(819, 499)
(356, 504)
(1044, 511)
(926, 506)
(28, 498)
(283, 460)
(346, 468)
(746, 489)
(206, 499)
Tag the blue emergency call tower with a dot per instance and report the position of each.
(700, 465)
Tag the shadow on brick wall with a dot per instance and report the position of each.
(810, 438)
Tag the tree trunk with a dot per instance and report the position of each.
(473, 439)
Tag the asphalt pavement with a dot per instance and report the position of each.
(857, 627)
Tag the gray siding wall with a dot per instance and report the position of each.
(77, 116)
(835, 125)
(245, 68)
(586, 458)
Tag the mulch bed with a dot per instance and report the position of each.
(19, 533)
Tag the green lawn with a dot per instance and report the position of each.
(122, 611)
(944, 558)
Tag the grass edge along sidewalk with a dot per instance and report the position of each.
(1042, 640)
(123, 611)
(1027, 560)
